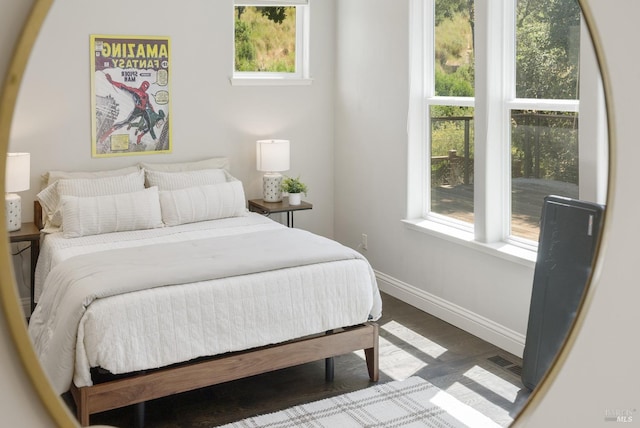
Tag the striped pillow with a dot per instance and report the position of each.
(210, 163)
(202, 203)
(82, 216)
(84, 187)
(180, 180)
(51, 177)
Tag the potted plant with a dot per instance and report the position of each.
(294, 187)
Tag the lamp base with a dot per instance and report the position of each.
(271, 191)
(13, 211)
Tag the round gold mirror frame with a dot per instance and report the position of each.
(9, 296)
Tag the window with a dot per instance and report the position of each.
(271, 42)
(495, 122)
(451, 111)
(544, 114)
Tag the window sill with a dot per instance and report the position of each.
(503, 250)
(269, 81)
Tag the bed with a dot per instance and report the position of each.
(159, 276)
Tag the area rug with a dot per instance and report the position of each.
(413, 402)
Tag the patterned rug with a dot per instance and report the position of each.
(413, 402)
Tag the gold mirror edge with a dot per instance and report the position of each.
(537, 395)
(10, 299)
(11, 307)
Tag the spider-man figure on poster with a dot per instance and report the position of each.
(142, 110)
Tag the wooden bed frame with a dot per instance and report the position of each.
(175, 379)
(237, 365)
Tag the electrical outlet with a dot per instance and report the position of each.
(364, 243)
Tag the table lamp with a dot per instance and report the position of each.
(272, 157)
(16, 180)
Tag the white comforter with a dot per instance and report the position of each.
(152, 328)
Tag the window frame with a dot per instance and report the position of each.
(495, 44)
(302, 74)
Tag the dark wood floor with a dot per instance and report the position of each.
(412, 343)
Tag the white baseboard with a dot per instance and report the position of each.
(490, 331)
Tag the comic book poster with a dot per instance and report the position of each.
(130, 95)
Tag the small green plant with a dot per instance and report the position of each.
(293, 185)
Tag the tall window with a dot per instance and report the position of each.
(544, 115)
(496, 127)
(271, 39)
(450, 112)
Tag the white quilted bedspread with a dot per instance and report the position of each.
(156, 327)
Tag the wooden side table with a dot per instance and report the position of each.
(29, 232)
(268, 208)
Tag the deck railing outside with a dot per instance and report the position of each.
(544, 161)
(457, 168)
(453, 169)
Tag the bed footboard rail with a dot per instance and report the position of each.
(164, 382)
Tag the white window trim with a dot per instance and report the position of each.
(270, 2)
(495, 44)
(490, 232)
(302, 75)
(269, 81)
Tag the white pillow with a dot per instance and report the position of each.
(211, 163)
(84, 187)
(181, 180)
(51, 177)
(202, 203)
(94, 215)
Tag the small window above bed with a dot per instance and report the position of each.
(271, 42)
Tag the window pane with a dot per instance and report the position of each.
(452, 162)
(544, 151)
(265, 39)
(454, 57)
(547, 49)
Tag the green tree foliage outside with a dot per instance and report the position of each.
(452, 126)
(544, 144)
(547, 49)
(547, 66)
(265, 39)
(454, 65)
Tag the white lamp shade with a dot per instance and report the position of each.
(272, 155)
(18, 172)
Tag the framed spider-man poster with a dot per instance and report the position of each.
(130, 95)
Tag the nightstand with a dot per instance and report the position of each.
(29, 232)
(268, 208)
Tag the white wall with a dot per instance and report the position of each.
(20, 404)
(209, 116)
(586, 386)
(486, 295)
